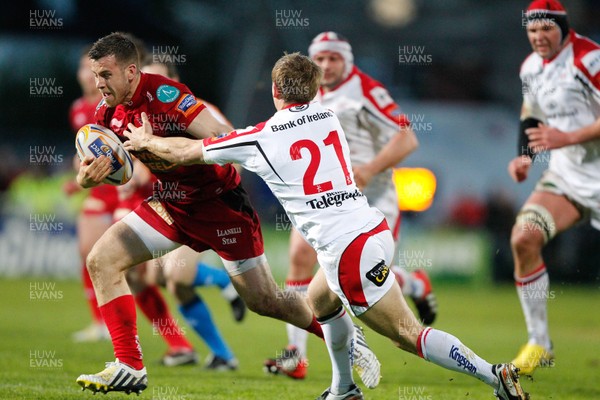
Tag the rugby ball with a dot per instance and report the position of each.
(96, 140)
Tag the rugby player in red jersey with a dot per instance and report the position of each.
(100, 209)
(212, 211)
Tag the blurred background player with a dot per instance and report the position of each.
(380, 137)
(560, 113)
(97, 212)
(181, 272)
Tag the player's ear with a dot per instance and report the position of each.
(131, 71)
(275, 91)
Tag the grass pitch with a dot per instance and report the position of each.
(39, 361)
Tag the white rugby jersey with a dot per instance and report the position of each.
(302, 155)
(370, 118)
(565, 93)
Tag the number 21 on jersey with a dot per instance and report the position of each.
(310, 187)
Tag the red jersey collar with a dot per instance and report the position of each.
(138, 97)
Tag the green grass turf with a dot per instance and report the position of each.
(39, 361)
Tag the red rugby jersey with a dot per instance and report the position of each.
(81, 113)
(171, 107)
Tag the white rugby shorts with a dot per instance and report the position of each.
(357, 266)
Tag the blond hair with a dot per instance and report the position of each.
(296, 77)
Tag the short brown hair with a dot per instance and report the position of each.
(117, 44)
(296, 77)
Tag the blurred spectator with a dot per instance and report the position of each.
(468, 212)
(36, 191)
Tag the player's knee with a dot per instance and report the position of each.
(98, 265)
(101, 260)
(302, 262)
(524, 241)
(94, 262)
(533, 228)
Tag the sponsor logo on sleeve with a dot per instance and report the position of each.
(381, 97)
(187, 104)
(167, 93)
(592, 62)
(378, 274)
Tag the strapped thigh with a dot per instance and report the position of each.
(535, 215)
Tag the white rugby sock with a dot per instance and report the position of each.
(447, 351)
(338, 332)
(296, 336)
(533, 293)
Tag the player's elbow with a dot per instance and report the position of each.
(409, 139)
(414, 143)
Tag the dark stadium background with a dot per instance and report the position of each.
(469, 95)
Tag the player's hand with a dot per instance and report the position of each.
(545, 138)
(92, 171)
(138, 136)
(518, 168)
(362, 175)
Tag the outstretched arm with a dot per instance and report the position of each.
(205, 125)
(177, 150)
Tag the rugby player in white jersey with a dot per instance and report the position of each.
(560, 113)
(303, 156)
(379, 137)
